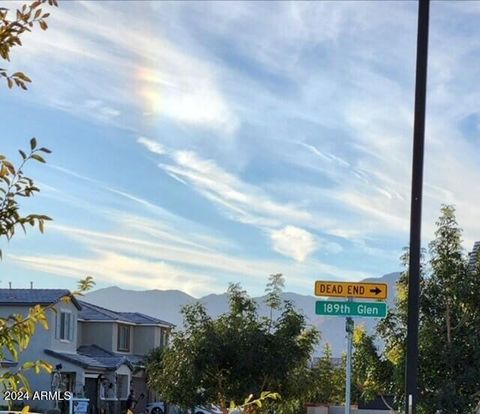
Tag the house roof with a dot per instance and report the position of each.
(30, 297)
(472, 262)
(92, 356)
(142, 319)
(91, 312)
(101, 354)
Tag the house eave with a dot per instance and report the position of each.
(122, 322)
(159, 325)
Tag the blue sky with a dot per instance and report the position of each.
(195, 144)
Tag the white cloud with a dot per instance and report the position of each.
(132, 67)
(164, 251)
(115, 268)
(242, 201)
(152, 146)
(93, 109)
(293, 242)
(152, 254)
(103, 111)
(363, 172)
(185, 91)
(247, 203)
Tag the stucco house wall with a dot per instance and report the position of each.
(145, 339)
(46, 339)
(115, 338)
(100, 333)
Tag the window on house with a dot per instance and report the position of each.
(65, 327)
(123, 342)
(164, 337)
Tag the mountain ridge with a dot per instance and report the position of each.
(166, 305)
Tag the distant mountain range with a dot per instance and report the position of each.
(166, 305)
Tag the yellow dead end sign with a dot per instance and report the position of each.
(351, 290)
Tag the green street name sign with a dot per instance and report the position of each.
(357, 309)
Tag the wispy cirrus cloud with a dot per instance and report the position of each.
(151, 145)
(293, 120)
(166, 81)
(245, 203)
(152, 254)
(112, 268)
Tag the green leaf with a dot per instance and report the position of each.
(33, 143)
(22, 76)
(38, 158)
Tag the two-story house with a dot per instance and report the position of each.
(98, 353)
(129, 335)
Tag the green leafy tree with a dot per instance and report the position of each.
(251, 404)
(450, 359)
(328, 380)
(449, 343)
(371, 372)
(274, 290)
(223, 360)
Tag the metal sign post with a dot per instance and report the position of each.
(348, 308)
(349, 325)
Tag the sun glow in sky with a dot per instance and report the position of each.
(199, 143)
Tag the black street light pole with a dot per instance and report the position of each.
(416, 208)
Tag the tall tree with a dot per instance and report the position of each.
(328, 379)
(451, 316)
(371, 371)
(224, 360)
(274, 290)
(449, 343)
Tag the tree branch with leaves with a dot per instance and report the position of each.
(11, 30)
(16, 331)
(14, 184)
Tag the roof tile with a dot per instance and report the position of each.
(29, 297)
(91, 312)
